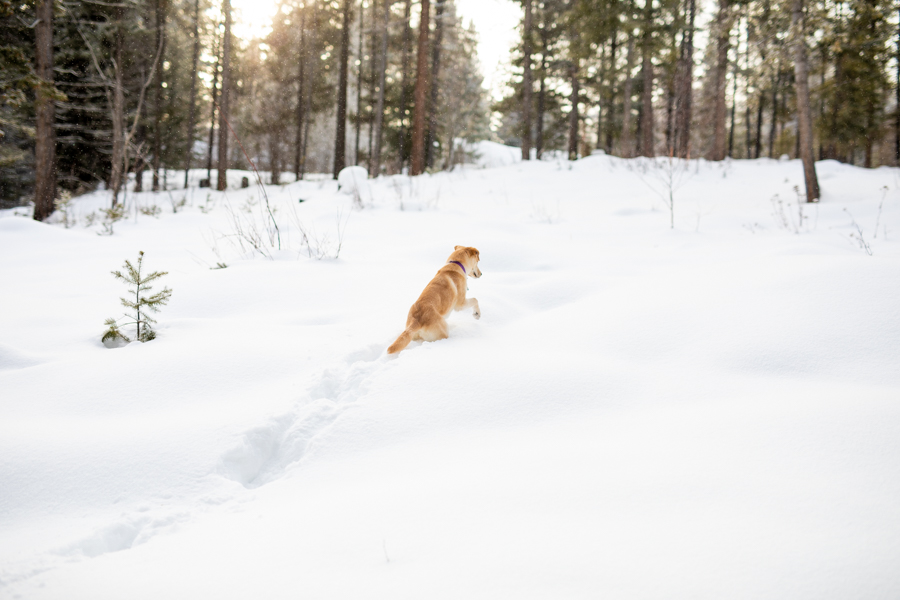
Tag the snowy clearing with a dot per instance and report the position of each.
(709, 411)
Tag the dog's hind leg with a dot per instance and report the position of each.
(436, 331)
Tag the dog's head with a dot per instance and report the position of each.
(469, 257)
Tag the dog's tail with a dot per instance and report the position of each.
(401, 342)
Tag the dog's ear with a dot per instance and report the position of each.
(457, 247)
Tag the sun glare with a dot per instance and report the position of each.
(253, 18)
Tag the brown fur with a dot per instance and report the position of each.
(427, 320)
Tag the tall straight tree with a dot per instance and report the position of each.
(431, 135)
(194, 60)
(526, 83)
(45, 138)
(804, 110)
(647, 71)
(225, 99)
(379, 108)
(404, 84)
(340, 135)
(722, 32)
(420, 107)
(212, 109)
(301, 66)
(683, 114)
(573, 113)
(359, 80)
(627, 149)
(158, 89)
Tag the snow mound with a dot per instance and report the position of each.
(353, 180)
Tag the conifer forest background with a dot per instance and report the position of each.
(99, 92)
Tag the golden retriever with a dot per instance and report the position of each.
(427, 320)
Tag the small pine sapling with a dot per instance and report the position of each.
(141, 305)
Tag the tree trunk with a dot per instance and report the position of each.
(573, 114)
(45, 115)
(373, 42)
(733, 112)
(404, 108)
(526, 84)
(431, 135)
(684, 114)
(759, 119)
(190, 129)
(379, 109)
(647, 92)
(539, 133)
(418, 133)
(897, 115)
(359, 74)
(611, 100)
(158, 108)
(340, 135)
(722, 32)
(804, 117)
(627, 144)
(301, 64)
(212, 114)
(118, 115)
(222, 182)
(775, 83)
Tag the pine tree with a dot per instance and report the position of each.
(141, 305)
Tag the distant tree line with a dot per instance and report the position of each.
(809, 79)
(101, 91)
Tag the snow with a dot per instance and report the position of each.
(709, 411)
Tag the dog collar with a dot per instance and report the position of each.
(456, 262)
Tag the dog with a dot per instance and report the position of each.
(427, 320)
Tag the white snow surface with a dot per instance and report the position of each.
(710, 411)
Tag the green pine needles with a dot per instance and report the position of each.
(139, 303)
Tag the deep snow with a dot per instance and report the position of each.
(706, 412)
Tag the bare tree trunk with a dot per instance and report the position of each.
(722, 34)
(373, 42)
(359, 73)
(431, 133)
(611, 100)
(539, 134)
(759, 118)
(379, 109)
(526, 84)
(733, 111)
(340, 135)
(212, 114)
(775, 83)
(804, 117)
(222, 182)
(627, 149)
(684, 114)
(118, 115)
(647, 92)
(195, 58)
(897, 116)
(45, 115)
(573, 114)
(404, 109)
(418, 133)
(301, 64)
(158, 88)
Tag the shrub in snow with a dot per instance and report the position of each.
(140, 305)
(110, 216)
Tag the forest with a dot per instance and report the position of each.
(96, 92)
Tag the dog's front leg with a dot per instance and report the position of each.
(470, 302)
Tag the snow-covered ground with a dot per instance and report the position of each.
(709, 411)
